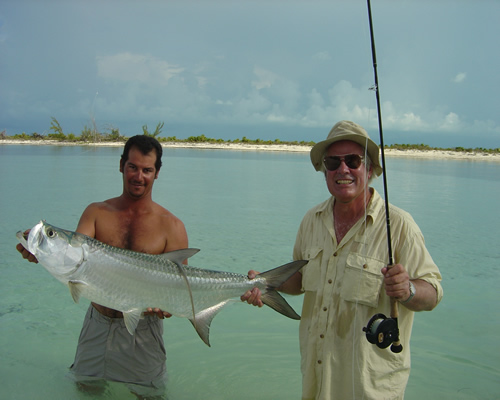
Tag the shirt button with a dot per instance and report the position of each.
(324, 308)
(330, 281)
(319, 361)
(335, 254)
(322, 336)
(365, 266)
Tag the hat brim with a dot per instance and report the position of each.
(319, 149)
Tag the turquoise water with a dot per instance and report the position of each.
(242, 209)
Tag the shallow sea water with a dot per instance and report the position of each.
(242, 209)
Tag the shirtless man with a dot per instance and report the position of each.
(131, 221)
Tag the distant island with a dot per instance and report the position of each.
(91, 137)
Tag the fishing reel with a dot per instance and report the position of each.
(383, 331)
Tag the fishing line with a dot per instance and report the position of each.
(92, 146)
(363, 252)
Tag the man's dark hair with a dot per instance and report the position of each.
(145, 144)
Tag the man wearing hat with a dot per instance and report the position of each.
(346, 281)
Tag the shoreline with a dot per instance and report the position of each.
(422, 154)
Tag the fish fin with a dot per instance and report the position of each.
(131, 319)
(204, 318)
(274, 300)
(274, 279)
(183, 273)
(76, 288)
(178, 256)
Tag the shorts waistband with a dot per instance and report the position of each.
(145, 320)
(107, 312)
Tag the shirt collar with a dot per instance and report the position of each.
(375, 206)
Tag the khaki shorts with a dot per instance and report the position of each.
(106, 350)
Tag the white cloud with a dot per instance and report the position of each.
(202, 81)
(142, 68)
(485, 126)
(451, 123)
(460, 77)
(275, 118)
(268, 98)
(315, 98)
(252, 106)
(265, 79)
(343, 102)
(402, 121)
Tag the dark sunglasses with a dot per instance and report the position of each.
(353, 161)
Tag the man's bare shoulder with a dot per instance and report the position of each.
(107, 205)
(94, 213)
(167, 217)
(172, 228)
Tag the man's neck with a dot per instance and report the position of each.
(132, 204)
(345, 215)
(354, 210)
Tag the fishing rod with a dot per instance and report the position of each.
(380, 330)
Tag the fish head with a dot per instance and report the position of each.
(61, 252)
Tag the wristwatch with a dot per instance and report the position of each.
(412, 293)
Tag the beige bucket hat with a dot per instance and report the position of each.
(346, 130)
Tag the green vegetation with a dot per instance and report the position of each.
(56, 128)
(157, 131)
(87, 135)
(92, 135)
(424, 147)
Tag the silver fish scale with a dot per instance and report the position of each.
(158, 282)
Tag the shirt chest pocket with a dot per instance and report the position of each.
(311, 273)
(362, 280)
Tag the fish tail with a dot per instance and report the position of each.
(274, 279)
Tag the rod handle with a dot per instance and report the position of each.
(396, 346)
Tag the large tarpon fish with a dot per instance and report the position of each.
(131, 282)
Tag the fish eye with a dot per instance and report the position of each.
(51, 232)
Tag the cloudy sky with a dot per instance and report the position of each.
(262, 69)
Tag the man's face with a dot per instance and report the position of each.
(344, 183)
(139, 173)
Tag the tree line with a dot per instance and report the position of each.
(92, 135)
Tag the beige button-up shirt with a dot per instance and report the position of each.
(343, 290)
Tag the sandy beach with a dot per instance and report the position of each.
(426, 154)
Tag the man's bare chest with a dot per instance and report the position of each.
(131, 233)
